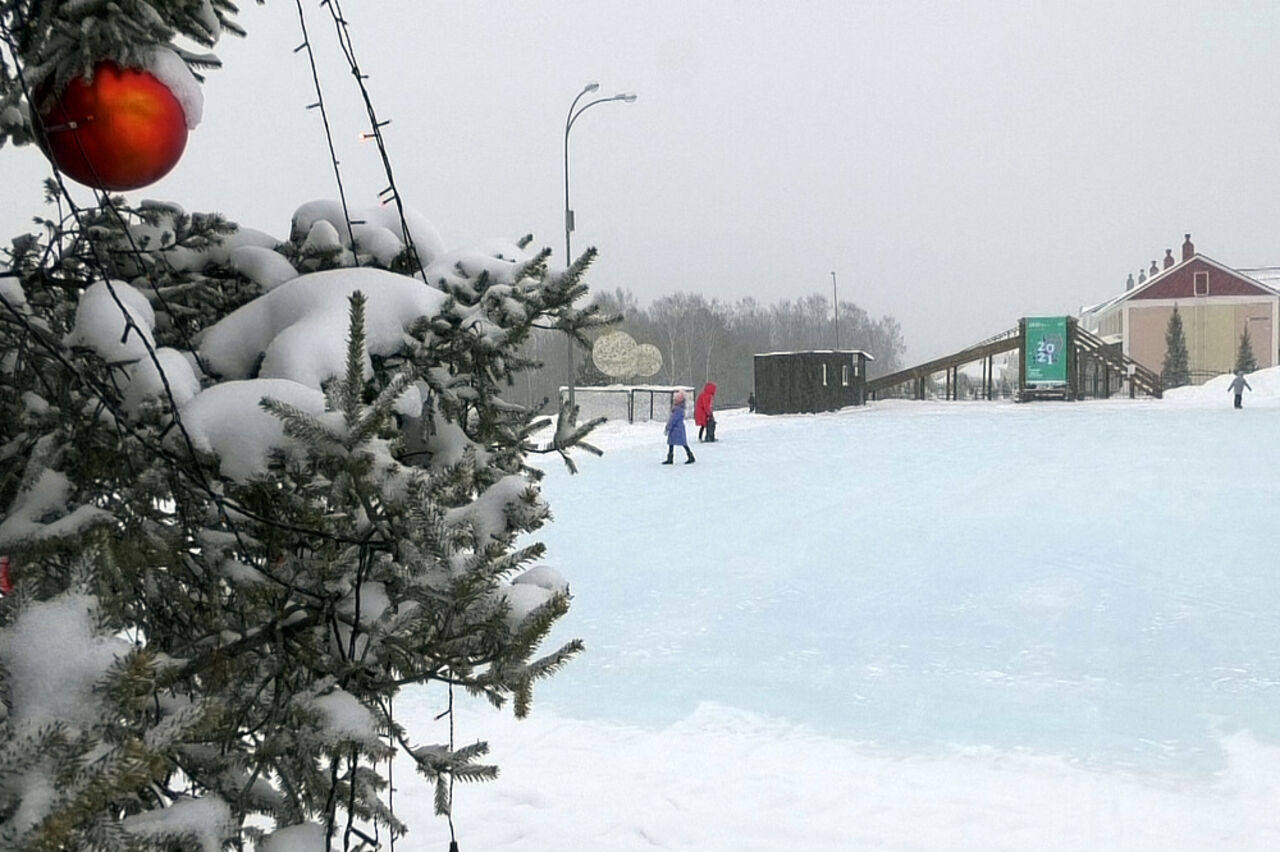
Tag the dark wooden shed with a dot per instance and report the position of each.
(803, 382)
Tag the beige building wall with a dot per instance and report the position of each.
(1212, 330)
(1145, 338)
(1262, 335)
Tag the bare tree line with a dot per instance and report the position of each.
(704, 340)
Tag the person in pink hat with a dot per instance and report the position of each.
(675, 429)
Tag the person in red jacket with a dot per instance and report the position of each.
(702, 412)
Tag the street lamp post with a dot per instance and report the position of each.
(574, 112)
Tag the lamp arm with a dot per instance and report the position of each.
(573, 116)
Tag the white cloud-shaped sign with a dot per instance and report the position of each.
(616, 354)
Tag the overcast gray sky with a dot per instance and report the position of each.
(957, 164)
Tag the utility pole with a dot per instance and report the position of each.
(835, 304)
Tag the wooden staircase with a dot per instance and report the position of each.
(1090, 347)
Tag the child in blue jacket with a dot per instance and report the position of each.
(675, 429)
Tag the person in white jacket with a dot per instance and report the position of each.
(1238, 386)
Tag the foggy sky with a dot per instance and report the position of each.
(957, 165)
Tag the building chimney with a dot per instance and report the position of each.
(1142, 276)
(1188, 250)
(1168, 258)
(1128, 285)
(1155, 270)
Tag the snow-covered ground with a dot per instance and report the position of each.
(905, 626)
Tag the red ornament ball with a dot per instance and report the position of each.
(121, 130)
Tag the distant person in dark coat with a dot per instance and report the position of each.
(1238, 386)
(675, 430)
(702, 414)
(751, 402)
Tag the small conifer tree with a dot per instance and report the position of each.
(1245, 360)
(1177, 370)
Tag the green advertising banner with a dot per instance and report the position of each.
(1046, 348)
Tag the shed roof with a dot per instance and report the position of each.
(861, 352)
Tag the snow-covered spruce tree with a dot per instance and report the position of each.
(250, 488)
(294, 493)
(1245, 359)
(1176, 371)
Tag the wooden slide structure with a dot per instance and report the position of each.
(1095, 369)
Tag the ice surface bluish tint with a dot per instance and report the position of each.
(1096, 581)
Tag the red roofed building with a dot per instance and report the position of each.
(1216, 303)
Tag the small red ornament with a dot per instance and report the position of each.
(122, 130)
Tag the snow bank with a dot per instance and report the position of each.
(722, 780)
(1215, 393)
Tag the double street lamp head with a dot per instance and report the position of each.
(593, 86)
(575, 110)
(570, 119)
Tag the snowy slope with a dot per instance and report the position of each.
(909, 626)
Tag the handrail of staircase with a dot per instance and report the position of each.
(1143, 377)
